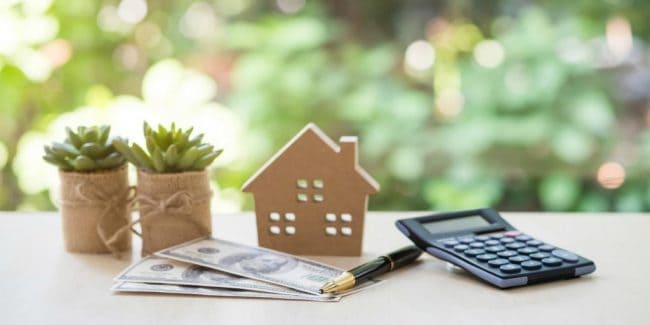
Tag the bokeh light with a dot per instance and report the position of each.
(57, 52)
(148, 35)
(34, 64)
(109, 20)
(489, 53)
(132, 11)
(619, 37)
(449, 102)
(290, 6)
(128, 56)
(420, 55)
(200, 21)
(611, 175)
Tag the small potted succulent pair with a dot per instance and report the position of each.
(95, 192)
(173, 185)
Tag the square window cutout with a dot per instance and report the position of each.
(346, 231)
(330, 231)
(346, 217)
(330, 217)
(318, 183)
(302, 197)
(274, 216)
(301, 183)
(275, 230)
(318, 198)
(290, 216)
(290, 230)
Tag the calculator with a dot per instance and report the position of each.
(484, 244)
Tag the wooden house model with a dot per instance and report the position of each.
(311, 197)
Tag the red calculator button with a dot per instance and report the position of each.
(512, 233)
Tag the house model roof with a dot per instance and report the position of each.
(312, 141)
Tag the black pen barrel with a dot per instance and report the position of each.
(383, 264)
(404, 256)
(376, 267)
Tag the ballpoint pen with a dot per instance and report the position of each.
(378, 266)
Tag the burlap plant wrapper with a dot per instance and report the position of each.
(174, 208)
(95, 208)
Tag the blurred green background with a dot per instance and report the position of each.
(521, 105)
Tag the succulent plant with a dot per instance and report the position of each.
(169, 150)
(86, 150)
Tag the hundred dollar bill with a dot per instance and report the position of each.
(254, 263)
(156, 269)
(214, 292)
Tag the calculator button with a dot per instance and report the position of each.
(516, 245)
(496, 236)
(466, 240)
(527, 250)
(450, 243)
(546, 248)
(474, 252)
(510, 268)
(519, 258)
(481, 238)
(565, 256)
(507, 254)
(512, 233)
(485, 257)
(498, 262)
(531, 265)
(534, 242)
(539, 256)
(460, 248)
(552, 261)
(506, 240)
(523, 238)
(495, 249)
(476, 245)
(492, 242)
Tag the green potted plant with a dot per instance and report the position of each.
(94, 191)
(173, 185)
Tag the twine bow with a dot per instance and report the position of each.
(178, 203)
(110, 203)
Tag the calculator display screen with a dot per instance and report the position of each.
(455, 224)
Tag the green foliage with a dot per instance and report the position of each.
(170, 150)
(86, 150)
(528, 133)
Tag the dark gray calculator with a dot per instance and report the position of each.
(484, 244)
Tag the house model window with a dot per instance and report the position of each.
(296, 213)
(318, 183)
(301, 183)
(330, 217)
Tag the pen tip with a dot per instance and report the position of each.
(328, 287)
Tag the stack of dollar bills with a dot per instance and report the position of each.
(214, 267)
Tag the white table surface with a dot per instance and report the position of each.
(41, 283)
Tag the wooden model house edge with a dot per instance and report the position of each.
(311, 196)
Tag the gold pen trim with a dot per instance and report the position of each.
(343, 282)
(392, 264)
